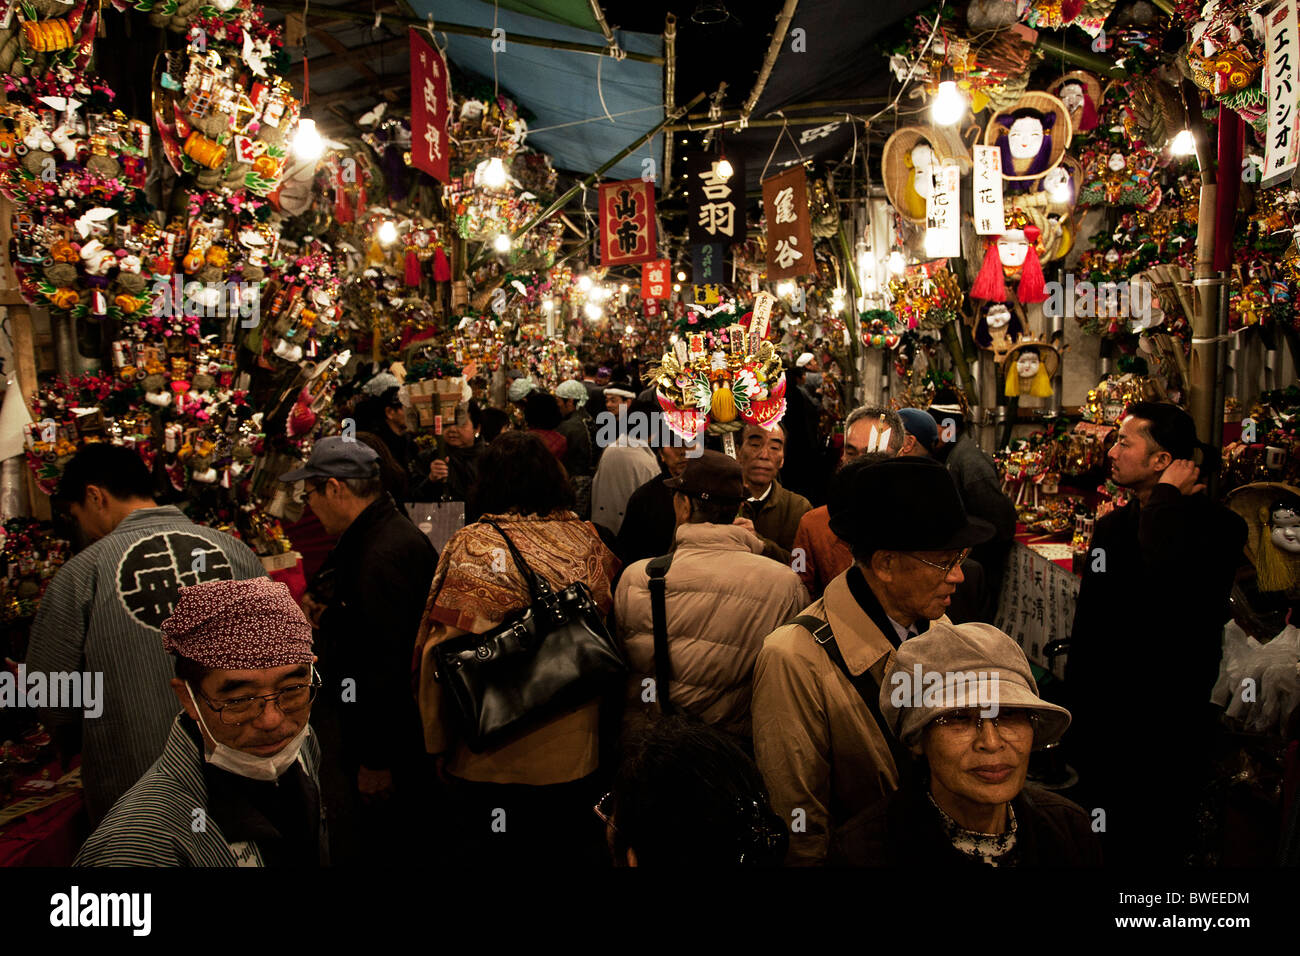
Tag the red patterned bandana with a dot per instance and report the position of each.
(238, 625)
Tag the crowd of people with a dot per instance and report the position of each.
(812, 673)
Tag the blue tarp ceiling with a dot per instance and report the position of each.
(561, 87)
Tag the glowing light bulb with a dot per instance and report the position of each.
(897, 264)
(948, 105)
(502, 242)
(386, 233)
(307, 144)
(584, 282)
(681, 276)
(627, 329)
(623, 288)
(933, 243)
(494, 175)
(547, 305)
(724, 169)
(592, 311)
(677, 287)
(1184, 144)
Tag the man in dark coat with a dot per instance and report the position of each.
(650, 522)
(367, 601)
(1145, 647)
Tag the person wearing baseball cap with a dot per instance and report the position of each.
(367, 601)
(963, 699)
(921, 433)
(717, 573)
(818, 736)
(237, 781)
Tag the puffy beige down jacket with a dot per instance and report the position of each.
(723, 598)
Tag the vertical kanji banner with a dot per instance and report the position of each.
(430, 94)
(627, 222)
(656, 280)
(789, 225)
(707, 263)
(717, 205)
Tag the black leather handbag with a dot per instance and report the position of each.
(541, 660)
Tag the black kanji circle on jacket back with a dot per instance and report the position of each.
(154, 570)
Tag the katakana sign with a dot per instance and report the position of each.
(1283, 87)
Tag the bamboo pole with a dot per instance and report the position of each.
(1083, 58)
(1207, 282)
(670, 93)
(365, 16)
(773, 51)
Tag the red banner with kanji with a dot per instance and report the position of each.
(627, 222)
(657, 279)
(430, 97)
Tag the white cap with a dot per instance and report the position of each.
(803, 360)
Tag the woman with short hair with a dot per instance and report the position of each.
(963, 699)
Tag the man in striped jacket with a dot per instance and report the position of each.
(101, 613)
(237, 783)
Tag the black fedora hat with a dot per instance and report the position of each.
(905, 504)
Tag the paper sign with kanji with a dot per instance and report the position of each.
(627, 222)
(789, 225)
(656, 279)
(430, 149)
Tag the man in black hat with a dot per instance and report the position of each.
(981, 491)
(367, 601)
(718, 575)
(818, 738)
(1145, 647)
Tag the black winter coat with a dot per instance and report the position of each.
(375, 584)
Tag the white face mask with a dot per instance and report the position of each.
(246, 764)
(1027, 365)
(1286, 530)
(1025, 137)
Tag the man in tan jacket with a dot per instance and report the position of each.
(823, 751)
(722, 597)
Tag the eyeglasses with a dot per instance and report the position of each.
(604, 809)
(945, 568)
(243, 709)
(1014, 726)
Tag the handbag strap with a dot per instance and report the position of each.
(537, 586)
(657, 569)
(863, 683)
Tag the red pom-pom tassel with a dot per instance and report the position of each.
(412, 268)
(441, 267)
(1031, 288)
(989, 284)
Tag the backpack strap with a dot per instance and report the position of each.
(863, 683)
(657, 569)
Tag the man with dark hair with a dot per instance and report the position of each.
(103, 611)
(981, 491)
(1145, 647)
(367, 601)
(818, 738)
(542, 416)
(770, 511)
(236, 781)
(718, 574)
(579, 431)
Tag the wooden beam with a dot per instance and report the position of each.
(338, 61)
(357, 61)
(326, 100)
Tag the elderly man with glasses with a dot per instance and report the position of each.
(236, 783)
(819, 739)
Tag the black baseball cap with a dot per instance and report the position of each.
(712, 476)
(337, 457)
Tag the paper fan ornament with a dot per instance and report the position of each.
(722, 374)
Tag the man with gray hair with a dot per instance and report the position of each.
(818, 556)
(366, 602)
